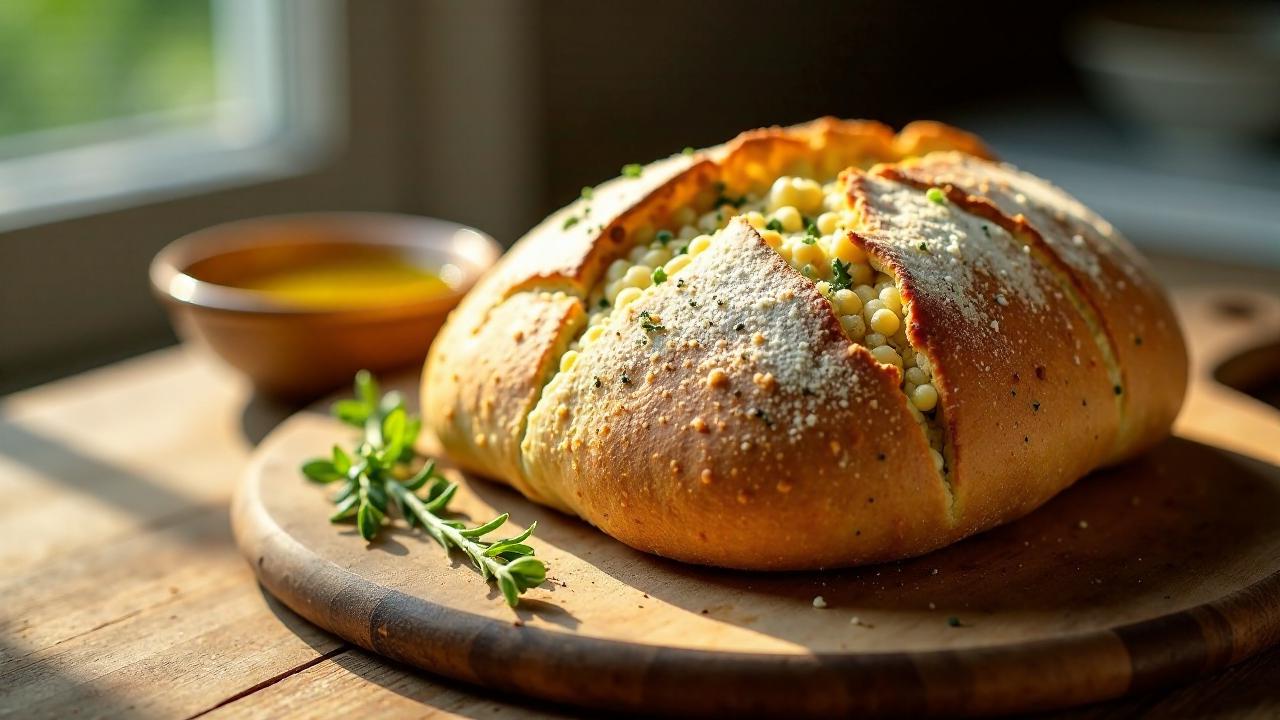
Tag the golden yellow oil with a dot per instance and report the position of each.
(359, 280)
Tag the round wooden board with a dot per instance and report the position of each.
(1139, 576)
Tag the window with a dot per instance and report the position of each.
(104, 104)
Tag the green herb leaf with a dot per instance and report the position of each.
(367, 389)
(412, 429)
(569, 222)
(391, 401)
(687, 151)
(529, 570)
(370, 481)
(421, 477)
(587, 192)
(659, 276)
(341, 461)
(438, 503)
(351, 412)
(775, 225)
(528, 533)
(632, 170)
(510, 590)
(346, 509)
(840, 277)
(347, 490)
(321, 471)
(486, 528)
(936, 195)
(368, 521)
(510, 550)
(663, 237)
(393, 434)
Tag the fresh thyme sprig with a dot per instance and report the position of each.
(377, 471)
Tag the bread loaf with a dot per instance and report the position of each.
(814, 346)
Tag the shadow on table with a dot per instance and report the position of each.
(261, 415)
(150, 499)
(33, 686)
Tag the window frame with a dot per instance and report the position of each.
(254, 133)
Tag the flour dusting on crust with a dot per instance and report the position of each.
(942, 249)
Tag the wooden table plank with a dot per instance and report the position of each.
(174, 627)
(76, 595)
(122, 589)
(111, 453)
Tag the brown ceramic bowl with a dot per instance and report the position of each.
(297, 352)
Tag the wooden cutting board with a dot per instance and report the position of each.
(1137, 577)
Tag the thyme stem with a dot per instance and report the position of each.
(377, 471)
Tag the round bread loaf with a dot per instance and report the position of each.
(814, 346)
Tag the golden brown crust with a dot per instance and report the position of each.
(485, 372)
(571, 247)
(749, 431)
(489, 363)
(927, 136)
(1135, 316)
(824, 147)
(1028, 405)
(567, 253)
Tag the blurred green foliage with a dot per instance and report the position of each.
(68, 62)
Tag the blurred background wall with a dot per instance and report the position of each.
(128, 123)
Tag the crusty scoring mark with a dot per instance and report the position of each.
(939, 418)
(617, 230)
(697, 179)
(658, 202)
(1038, 251)
(1021, 230)
(716, 377)
(550, 368)
(823, 245)
(860, 197)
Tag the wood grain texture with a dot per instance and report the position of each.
(1140, 576)
(122, 594)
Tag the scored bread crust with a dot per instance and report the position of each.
(1026, 400)
(1134, 316)
(749, 431)
(740, 435)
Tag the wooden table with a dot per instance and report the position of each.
(121, 592)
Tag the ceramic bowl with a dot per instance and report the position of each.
(296, 352)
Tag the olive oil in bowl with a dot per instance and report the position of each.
(359, 280)
(299, 303)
